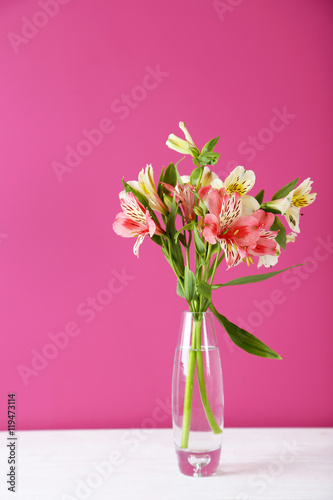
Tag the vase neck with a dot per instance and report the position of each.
(197, 331)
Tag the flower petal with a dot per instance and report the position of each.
(178, 144)
(211, 227)
(239, 180)
(137, 244)
(265, 219)
(214, 202)
(292, 216)
(249, 204)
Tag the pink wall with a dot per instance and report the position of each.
(225, 71)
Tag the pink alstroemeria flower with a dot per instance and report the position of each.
(224, 224)
(185, 196)
(266, 244)
(134, 221)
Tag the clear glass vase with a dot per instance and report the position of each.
(197, 396)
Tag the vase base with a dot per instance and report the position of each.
(198, 464)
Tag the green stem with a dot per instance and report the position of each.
(195, 358)
(188, 393)
(203, 393)
(216, 263)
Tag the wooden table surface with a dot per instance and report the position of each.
(279, 464)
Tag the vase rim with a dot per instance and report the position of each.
(198, 312)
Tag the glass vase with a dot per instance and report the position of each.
(197, 396)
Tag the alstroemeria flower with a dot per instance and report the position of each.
(185, 196)
(301, 197)
(206, 180)
(266, 244)
(281, 205)
(272, 260)
(134, 221)
(146, 186)
(224, 224)
(240, 181)
(180, 145)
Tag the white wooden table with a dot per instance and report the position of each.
(279, 464)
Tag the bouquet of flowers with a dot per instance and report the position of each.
(199, 220)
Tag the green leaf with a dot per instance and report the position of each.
(157, 239)
(170, 225)
(260, 196)
(255, 278)
(180, 290)
(166, 253)
(189, 284)
(187, 226)
(176, 254)
(160, 187)
(177, 259)
(195, 175)
(281, 238)
(210, 145)
(244, 339)
(199, 245)
(208, 158)
(142, 199)
(205, 289)
(170, 176)
(198, 271)
(282, 193)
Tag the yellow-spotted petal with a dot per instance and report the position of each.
(292, 216)
(302, 196)
(239, 180)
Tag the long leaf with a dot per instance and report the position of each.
(260, 196)
(281, 238)
(157, 239)
(254, 278)
(170, 176)
(189, 283)
(282, 193)
(180, 290)
(160, 187)
(244, 339)
(195, 175)
(199, 245)
(205, 289)
(210, 145)
(176, 252)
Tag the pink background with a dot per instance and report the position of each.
(224, 73)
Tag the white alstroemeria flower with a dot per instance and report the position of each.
(271, 260)
(281, 205)
(300, 197)
(239, 180)
(146, 186)
(208, 177)
(180, 145)
(242, 181)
